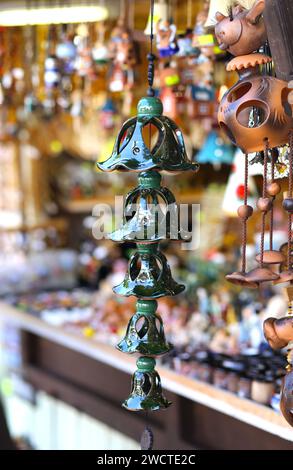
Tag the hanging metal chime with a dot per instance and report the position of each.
(150, 215)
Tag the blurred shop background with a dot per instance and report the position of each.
(65, 90)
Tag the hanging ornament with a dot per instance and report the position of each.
(201, 39)
(84, 62)
(66, 51)
(253, 109)
(242, 31)
(100, 50)
(148, 276)
(160, 13)
(215, 151)
(107, 114)
(123, 53)
(166, 39)
(131, 152)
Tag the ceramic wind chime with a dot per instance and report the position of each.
(146, 223)
(257, 116)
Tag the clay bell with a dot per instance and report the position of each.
(278, 332)
(256, 108)
(146, 390)
(151, 213)
(271, 257)
(241, 279)
(145, 332)
(262, 274)
(131, 153)
(148, 276)
(284, 277)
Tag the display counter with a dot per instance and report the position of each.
(94, 377)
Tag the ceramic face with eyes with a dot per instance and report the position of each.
(243, 31)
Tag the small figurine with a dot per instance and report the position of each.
(108, 112)
(166, 39)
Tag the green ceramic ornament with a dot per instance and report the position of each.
(148, 276)
(131, 153)
(151, 214)
(146, 390)
(145, 331)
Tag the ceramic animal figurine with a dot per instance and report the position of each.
(243, 31)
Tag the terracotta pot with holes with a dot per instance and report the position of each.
(256, 108)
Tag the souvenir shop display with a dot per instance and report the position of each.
(257, 116)
(108, 119)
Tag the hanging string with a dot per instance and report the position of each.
(151, 57)
(189, 14)
(264, 194)
(290, 193)
(151, 66)
(272, 209)
(244, 220)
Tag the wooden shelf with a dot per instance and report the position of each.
(85, 205)
(247, 411)
(59, 223)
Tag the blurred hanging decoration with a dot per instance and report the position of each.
(107, 115)
(100, 50)
(215, 151)
(2, 50)
(161, 10)
(52, 74)
(84, 64)
(31, 78)
(66, 50)
(166, 38)
(123, 53)
(172, 99)
(149, 276)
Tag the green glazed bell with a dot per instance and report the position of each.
(148, 276)
(131, 153)
(146, 391)
(145, 332)
(150, 215)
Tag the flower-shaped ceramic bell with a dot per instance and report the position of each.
(131, 153)
(146, 391)
(256, 109)
(145, 332)
(148, 276)
(151, 213)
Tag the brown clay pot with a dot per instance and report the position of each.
(267, 95)
(278, 332)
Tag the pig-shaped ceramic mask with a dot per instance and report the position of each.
(243, 31)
